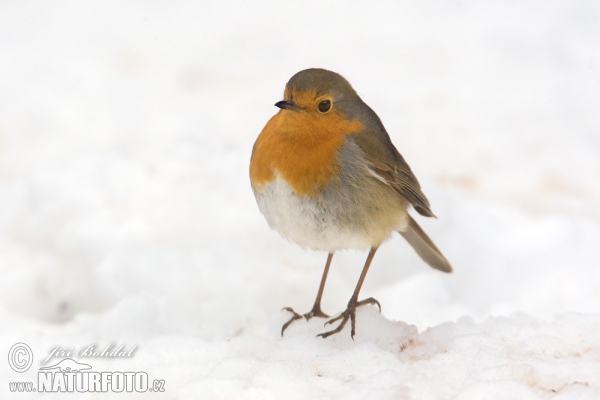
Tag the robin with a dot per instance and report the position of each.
(326, 176)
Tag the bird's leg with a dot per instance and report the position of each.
(316, 310)
(353, 304)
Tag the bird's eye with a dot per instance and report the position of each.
(324, 106)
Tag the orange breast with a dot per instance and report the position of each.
(302, 147)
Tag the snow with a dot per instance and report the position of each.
(126, 213)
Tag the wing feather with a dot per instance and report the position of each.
(387, 165)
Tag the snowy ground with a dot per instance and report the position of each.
(126, 214)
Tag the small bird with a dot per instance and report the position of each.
(326, 176)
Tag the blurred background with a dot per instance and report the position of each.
(126, 130)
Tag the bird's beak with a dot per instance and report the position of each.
(287, 105)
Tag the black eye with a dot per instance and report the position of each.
(324, 106)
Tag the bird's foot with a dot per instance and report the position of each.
(349, 314)
(315, 312)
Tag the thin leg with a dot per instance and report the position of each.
(316, 310)
(353, 304)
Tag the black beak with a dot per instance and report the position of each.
(287, 105)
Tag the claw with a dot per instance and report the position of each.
(348, 314)
(344, 316)
(315, 312)
(370, 300)
(332, 320)
(295, 317)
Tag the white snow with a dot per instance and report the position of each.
(126, 213)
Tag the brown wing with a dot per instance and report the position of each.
(388, 166)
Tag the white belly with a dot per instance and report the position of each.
(306, 221)
(325, 223)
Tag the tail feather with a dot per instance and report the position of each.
(424, 247)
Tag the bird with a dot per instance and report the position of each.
(327, 177)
